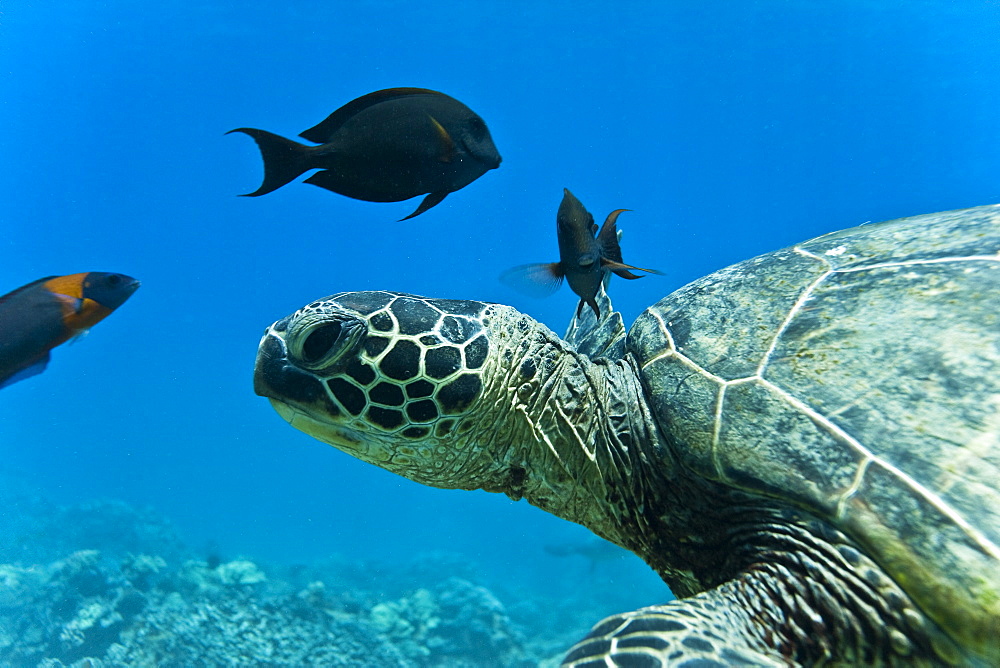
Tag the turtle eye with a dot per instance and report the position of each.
(325, 343)
(319, 342)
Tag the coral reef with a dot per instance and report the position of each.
(455, 623)
(80, 611)
(71, 609)
(113, 607)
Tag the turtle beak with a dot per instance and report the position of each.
(270, 359)
(276, 378)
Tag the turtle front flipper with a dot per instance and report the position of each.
(819, 605)
(704, 630)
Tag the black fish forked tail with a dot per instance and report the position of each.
(283, 158)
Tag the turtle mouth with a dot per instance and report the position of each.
(299, 398)
(342, 438)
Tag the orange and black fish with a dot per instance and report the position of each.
(39, 316)
(386, 146)
(584, 259)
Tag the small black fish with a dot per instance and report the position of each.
(386, 146)
(584, 259)
(596, 550)
(39, 316)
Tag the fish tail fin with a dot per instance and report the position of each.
(284, 159)
(611, 251)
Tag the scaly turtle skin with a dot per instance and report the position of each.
(805, 445)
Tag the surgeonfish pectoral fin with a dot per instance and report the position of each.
(284, 159)
(432, 199)
(27, 372)
(623, 269)
(447, 144)
(534, 280)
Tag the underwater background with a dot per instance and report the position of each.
(729, 129)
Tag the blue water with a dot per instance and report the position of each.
(728, 128)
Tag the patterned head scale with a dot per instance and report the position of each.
(369, 371)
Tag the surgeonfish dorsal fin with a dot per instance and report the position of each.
(323, 131)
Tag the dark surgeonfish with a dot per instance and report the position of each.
(39, 316)
(594, 551)
(585, 260)
(386, 146)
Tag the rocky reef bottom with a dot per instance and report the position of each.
(125, 591)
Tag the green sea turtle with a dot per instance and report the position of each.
(805, 445)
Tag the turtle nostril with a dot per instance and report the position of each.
(320, 341)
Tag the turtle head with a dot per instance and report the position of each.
(463, 395)
(392, 379)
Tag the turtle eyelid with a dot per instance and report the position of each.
(327, 342)
(320, 340)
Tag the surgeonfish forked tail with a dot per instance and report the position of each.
(284, 159)
(43, 314)
(386, 146)
(586, 257)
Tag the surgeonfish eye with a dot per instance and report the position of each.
(477, 128)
